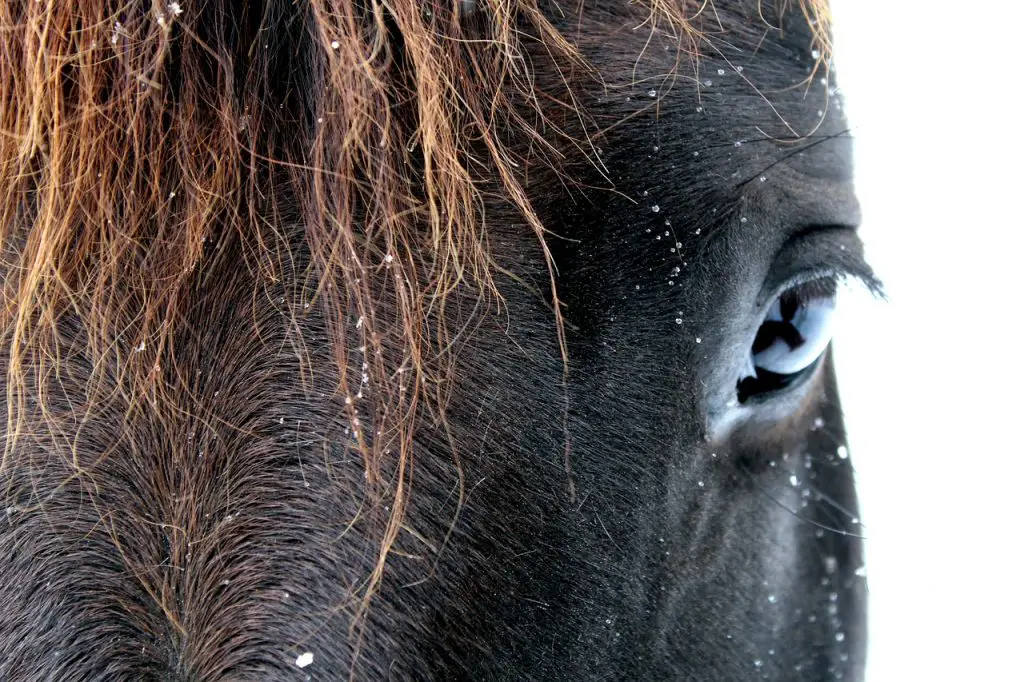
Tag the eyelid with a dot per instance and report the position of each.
(821, 252)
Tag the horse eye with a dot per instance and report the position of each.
(792, 337)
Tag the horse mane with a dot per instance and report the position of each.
(134, 132)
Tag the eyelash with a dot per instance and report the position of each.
(829, 253)
(819, 287)
(818, 284)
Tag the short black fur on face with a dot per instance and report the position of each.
(617, 517)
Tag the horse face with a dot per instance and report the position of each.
(649, 517)
(662, 493)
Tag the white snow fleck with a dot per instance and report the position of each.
(698, 339)
(655, 208)
(794, 481)
(842, 452)
(175, 8)
(304, 659)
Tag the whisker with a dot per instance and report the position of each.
(818, 140)
(816, 524)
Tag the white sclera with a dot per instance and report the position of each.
(813, 320)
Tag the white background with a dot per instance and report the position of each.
(932, 380)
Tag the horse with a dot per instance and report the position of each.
(385, 339)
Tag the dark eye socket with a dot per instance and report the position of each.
(791, 339)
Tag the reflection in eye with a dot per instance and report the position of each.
(793, 335)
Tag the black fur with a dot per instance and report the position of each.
(620, 525)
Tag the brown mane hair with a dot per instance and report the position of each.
(133, 132)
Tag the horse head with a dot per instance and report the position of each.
(425, 340)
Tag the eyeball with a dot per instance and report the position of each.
(792, 337)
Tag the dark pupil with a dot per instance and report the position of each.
(770, 330)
